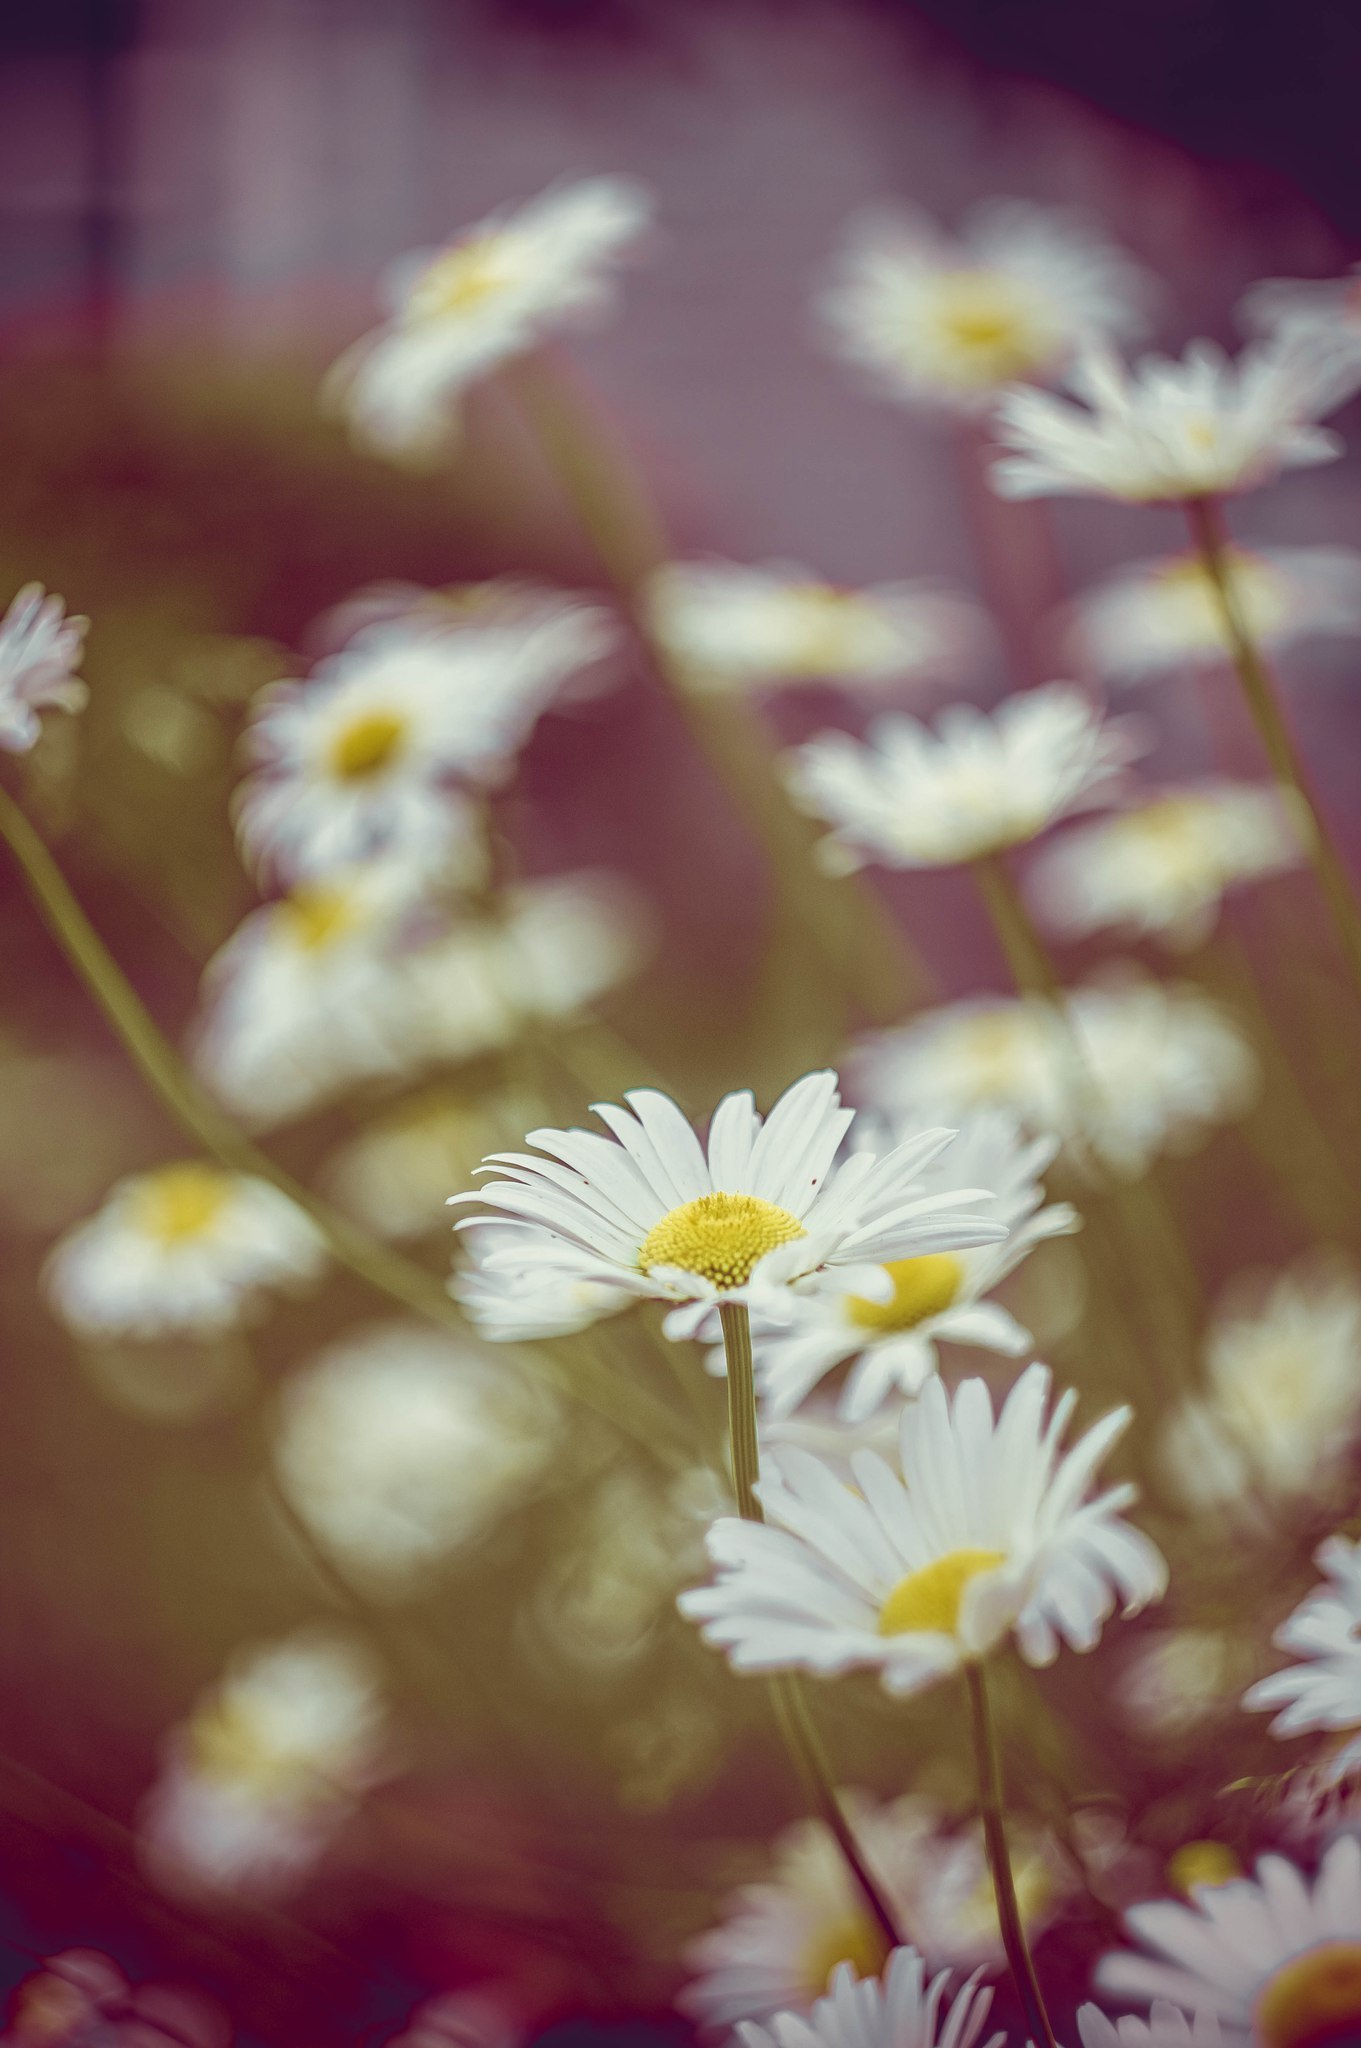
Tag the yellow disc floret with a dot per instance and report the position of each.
(922, 1287)
(854, 1940)
(1202, 1863)
(929, 1600)
(719, 1237)
(460, 278)
(1314, 1998)
(989, 327)
(180, 1202)
(315, 913)
(367, 745)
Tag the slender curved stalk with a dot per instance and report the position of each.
(1207, 531)
(993, 1812)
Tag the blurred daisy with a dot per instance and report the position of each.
(188, 1247)
(945, 321)
(1325, 309)
(1157, 617)
(396, 1447)
(1276, 1961)
(1166, 2027)
(81, 1999)
(911, 797)
(458, 313)
(937, 1297)
(267, 1767)
(1178, 1678)
(1162, 869)
(654, 1214)
(395, 1176)
(362, 757)
(1323, 1689)
(726, 627)
(1282, 1403)
(987, 1533)
(901, 2010)
(1166, 430)
(40, 648)
(986, 1052)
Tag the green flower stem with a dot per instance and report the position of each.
(1207, 531)
(993, 1811)
(786, 1692)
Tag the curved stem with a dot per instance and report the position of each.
(993, 1812)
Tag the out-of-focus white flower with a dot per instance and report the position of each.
(188, 1247)
(1177, 1678)
(937, 1297)
(1166, 2027)
(262, 1774)
(899, 2010)
(81, 1999)
(1282, 1401)
(1323, 1689)
(398, 1446)
(486, 2017)
(457, 313)
(987, 1532)
(986, 1052)
(395, 1176)
(911, 797)
(1276, 1961)
(39, 650)
(1201, 427)
(728, 627)
(656, 1215)
(362, 757)
(945, 321)
(1323, 309)
(1163, 868)
(1155, 617)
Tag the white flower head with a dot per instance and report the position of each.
(912, 797)
(938, 1297)
(945, 322)
(985, 1052)
(651, 1212)
(184, 1248)
(395, 1174)
(40, 648)
(1201, 427)
(1275, 1960)
(1323, 310)
(458, 313)
(1157, 617)
(1161, 868)
(726, 627)
(1166, 2027)
(988, 1532)
(511, 1296)
(898, 2010)
(1323, 1688)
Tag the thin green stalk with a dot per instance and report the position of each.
(1207, 531)
(992, 1808)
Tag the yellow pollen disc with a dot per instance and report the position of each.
(1202, 1863)
(367, 745)
(929, 1600)
(460, 278)
(315, 915)
(226, 1745)
(829, 623)
(922, 1287)
(1312, 2000)
(981, 316)
(719, 1237)
(180, 1202)
(853, 1940)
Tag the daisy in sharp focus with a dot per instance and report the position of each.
(1323, 1689)
(458, 313)
(188, 1247)
(1200, 427)
(651, 1212)
(937, 1297)
(901, 2009)
(40, 648)
(987, 1533)
(1275, 1960)
(727, 627)
(945, 321)
(911, 797)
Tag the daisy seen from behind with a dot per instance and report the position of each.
(984, 1531)
(1322, 1689)
(901, 2009)
(40, 648)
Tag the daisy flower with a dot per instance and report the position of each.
(188, 1247)
(945, 322)
(1161, 870)
(1163, 431)
(986, 1533)
(511, 1296)
(456, 314)
(1157, 617)
(899, 2010)
(1275, 1960)
(937, 1297)
(394, 1177)
(363, 758)
(986, 1052)
(1166, 2027)
(1324, 310)
(40, 648)
(726, 627)
(1322, 1690)
(911, 797)
(656, 1215)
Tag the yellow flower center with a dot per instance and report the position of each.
(1202, 1863)
(180, 1202)
(460, 278)
(854, 1940)
(928, 1601)
(719, 1237)
(1312, 1999)
(366, 745)
(987, 323)
(315, 915)
(228, 1744)
(922, 1287)
(829, 622)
